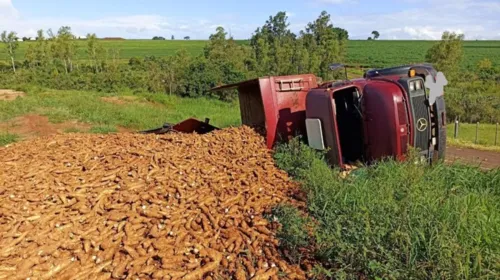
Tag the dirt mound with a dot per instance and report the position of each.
(174, 206)
(9, 95)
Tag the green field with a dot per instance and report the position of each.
(467, 136)
(363, 53)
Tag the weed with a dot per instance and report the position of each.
(103, 129)
(293, 233)
(7, 138)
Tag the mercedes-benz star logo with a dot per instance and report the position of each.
(421, 124)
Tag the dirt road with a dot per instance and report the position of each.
(486, 159)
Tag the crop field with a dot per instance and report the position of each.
(361, 53)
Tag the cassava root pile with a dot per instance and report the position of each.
(133, 206)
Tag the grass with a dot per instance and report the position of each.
(72, 130)
(467, 136)
(148, 111)
(386, 53)
(7, 138)
(378, 53)
(469, 145)
(103, 129)
(397, 220)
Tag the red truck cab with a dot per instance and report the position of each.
(377, 116)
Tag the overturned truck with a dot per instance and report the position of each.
(380, 115)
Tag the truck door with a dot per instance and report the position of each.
(321, 125)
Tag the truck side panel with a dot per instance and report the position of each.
(384, 133)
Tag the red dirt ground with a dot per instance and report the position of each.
(485, 159)
(30, 126)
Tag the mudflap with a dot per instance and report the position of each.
(439, 110)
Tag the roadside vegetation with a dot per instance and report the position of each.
(7, 138)
(393, 220)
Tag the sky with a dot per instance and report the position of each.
(393, 19)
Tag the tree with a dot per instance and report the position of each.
(273, 45)
(26, 39)
(63, 46)
(158, 38)
(325, 45)
(447, 54)
(95, 51)
(172, 38)
(176, 71)
(341, 33)
(41, 49)
(375, 34)
(187, 38)
(11, 44)
(369, 38)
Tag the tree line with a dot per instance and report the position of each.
(273, 50)
(50, 61)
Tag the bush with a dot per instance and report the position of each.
(400, 220)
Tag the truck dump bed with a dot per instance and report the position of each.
(274, 105)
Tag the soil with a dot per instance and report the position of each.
(9, 95)
(30, 126)
(485, 159)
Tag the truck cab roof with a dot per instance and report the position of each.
(422, 69)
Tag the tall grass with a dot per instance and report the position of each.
(400, 220)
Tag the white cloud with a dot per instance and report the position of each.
(424, 19)
(7, 10)
(475, 19)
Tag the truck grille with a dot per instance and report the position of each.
(421, 117)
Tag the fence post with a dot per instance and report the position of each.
(456, 129)
(477, 131)
(496, 135)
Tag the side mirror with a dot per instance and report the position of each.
(337, 66)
